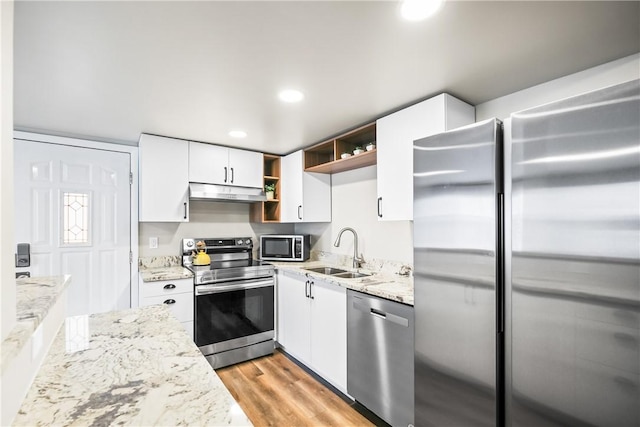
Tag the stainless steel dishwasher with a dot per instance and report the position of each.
(380, 356)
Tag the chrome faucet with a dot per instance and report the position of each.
(357, 260)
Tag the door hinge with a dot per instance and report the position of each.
(130, 178)
(130, 257)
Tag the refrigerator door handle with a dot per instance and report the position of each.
(500, 274)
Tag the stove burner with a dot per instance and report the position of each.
(231, 259)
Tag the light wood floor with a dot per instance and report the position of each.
(274, 391)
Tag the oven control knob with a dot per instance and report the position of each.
(189, 243)
(248, 241)
(239, 242)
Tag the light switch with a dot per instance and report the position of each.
(153, 242)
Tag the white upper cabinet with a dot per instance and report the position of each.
(213, 164)
(306, 196)
(164, 179)
(395, 134)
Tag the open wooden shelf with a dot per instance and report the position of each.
(325, 156)
(269, 210)
(367, 158)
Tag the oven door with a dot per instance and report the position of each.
(233, 314)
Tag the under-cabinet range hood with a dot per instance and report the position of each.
(225, 193)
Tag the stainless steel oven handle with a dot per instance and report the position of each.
(232, 286)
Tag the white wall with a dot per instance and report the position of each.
(609, 74)
(7, 277)
(206, 219)
(354, 204)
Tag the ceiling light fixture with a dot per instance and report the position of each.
(417, 10)
(291, 95)
(237, 134)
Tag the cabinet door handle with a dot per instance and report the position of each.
(299, 213)
(225, 174)
(169, 301)
(379, 209)
(311, 290)
(185, 210)
(306, 289)
(232, 175)
(170, 286)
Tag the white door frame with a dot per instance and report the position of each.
(119, 148)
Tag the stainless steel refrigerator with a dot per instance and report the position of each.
(527, 267)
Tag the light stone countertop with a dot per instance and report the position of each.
(165, 273)
(382, 284)
(34, 298)
(130, 367)
(157, 268)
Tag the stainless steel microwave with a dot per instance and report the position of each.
(281, 247)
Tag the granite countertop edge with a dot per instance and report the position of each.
(35, 296)
(380, 284)
(157, 274)
(129, 367)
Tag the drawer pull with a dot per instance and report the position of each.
(170, 286)
(169, 301)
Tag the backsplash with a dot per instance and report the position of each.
(354, 204)
(206, 219)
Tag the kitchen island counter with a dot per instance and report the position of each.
(382, 284)
(130, 367)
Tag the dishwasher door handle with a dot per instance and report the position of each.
(378, 313)
(381, 314)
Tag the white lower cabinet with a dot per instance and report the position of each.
(312, 325)
(177, 294)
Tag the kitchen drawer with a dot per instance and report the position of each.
(180, 304)
(608, 344)
(606, 396)
(167, 287)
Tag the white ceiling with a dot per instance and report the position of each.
(196, 70)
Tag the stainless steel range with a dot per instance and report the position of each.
(234, 300)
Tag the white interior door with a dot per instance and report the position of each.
(72, 205)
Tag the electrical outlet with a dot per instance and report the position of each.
(153, 242)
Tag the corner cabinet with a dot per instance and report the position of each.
(164, 179)
(305, 196)
(215, 164)
(312, 325)
(395, 134)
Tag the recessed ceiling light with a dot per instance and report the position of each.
(291, 95)
(417, 10)
(237, 134)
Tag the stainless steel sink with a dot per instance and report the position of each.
(351, 275)
(327, 270)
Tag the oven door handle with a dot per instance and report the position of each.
(232, 286)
